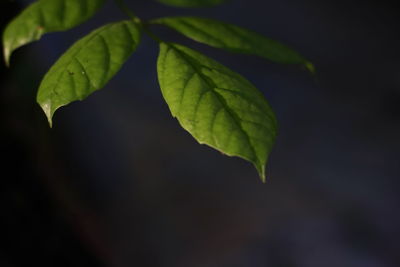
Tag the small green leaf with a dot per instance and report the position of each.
(88, 65)
(192, 3)
(217, 106)
(46, 16)
(232, 38)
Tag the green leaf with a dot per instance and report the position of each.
(88, 65)
(192, 3)
(217, 106)
(232, 38)
(46, 16)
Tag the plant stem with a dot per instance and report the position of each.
(144, 26)
(125, 9)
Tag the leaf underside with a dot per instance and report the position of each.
(192, 3)
(88, 65)
(232, 38)
(217, 106)
(45, 16)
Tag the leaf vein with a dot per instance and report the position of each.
(183, 91)
(74, 57)
(83, 68)
(231, 112)
(209, 36)
(107, 58)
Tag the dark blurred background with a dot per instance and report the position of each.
(118, 183)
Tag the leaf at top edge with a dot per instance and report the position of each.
(233, 38)
(192, 3)
(87, 65)
(45, 16)
(217, 106)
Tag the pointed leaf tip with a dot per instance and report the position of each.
(310, 67)
(6, 56)
(46, 107)
(262, 173)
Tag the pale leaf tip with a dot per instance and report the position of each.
(46, 107)
(50, 122)
(310, 67)
(263, 178)
(7, 54)
(262, 172)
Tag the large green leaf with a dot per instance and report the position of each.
(233, 38)
(88, 65)
(217, 106)
(46, 16)
(192, 3)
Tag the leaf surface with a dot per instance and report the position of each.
(46, 16)
(192, 3)
(217, 106)
(233, 38)
(88, 65)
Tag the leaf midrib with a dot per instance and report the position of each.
(211, 85)
(73, 57)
